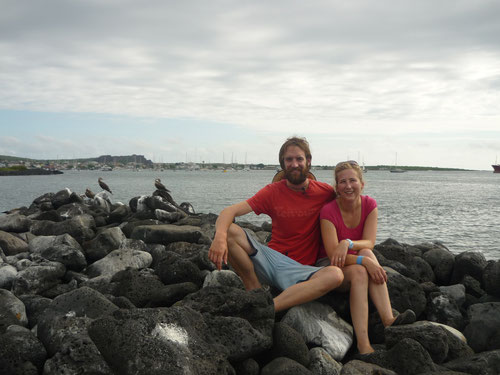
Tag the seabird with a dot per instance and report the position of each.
(160, 186)
(103, 185)
(89, 193)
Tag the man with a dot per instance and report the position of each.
(293, 204)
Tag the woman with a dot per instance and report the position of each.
(349, 228)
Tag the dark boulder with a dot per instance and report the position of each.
(166, 233)
(468, 263)
(483, 330)
(285, 366)
(15, 223)
(21, 352)
(405, 293)
(443, 309)
(491, 278)
(12, 245)
(63, 249)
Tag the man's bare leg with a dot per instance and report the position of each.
(239, 250)
(323, 281)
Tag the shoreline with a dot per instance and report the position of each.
(30, 172)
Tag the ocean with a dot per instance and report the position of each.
(460, 209)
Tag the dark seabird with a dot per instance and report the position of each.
(103, 185)
(89, 193)
(165, 195)
(160, 186)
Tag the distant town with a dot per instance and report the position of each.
(18, 165)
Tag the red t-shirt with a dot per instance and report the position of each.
(295, 216)
(331, 212)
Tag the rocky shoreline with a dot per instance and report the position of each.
(29, 172)
(92, 287)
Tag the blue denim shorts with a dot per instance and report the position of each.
(276, 269)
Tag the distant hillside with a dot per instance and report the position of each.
(103, 159)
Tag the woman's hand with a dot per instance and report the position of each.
(339, 254)
(376, 272)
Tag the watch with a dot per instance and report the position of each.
(351, 244)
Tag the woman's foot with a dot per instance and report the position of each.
(407, 317)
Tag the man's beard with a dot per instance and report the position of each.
(296, 179)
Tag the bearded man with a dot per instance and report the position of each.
(287, 262)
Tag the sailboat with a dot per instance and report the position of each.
(496, 166)
(396, 169)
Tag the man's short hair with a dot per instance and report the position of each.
(294, 141)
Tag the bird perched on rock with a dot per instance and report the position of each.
(103, 185)
(160, 186)
(89, 193)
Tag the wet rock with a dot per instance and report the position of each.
(166, 233)
(118, 260)
(15, 223)
(12, 311)
(483, 330)
(320, 325)
(12, 245)
(63, 249)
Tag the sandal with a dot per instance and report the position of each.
(408, 317)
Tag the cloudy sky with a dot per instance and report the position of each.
(228, 80)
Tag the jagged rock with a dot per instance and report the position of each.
(174, 340)
(38, 277)
(483, 330)
(21, 352)
(15, 223)
(143, 287)
(472, 286)
(443, 309)
(321, 363)
(357, 367)
(172, 269)
(128, 227)
(408, 357)
(35, 306)
(12, 245)
(7, 275)
(287, 342)
(224, 277)
(320, 325)
(72, 210)
(491, 278)
(432, 337)
(119, 214)
(441, 260)
(486, 363)
(118, 260)
(69, 346)
(456, 292)
(63, 197)
(405, 293)
(255, 306)
(81, 228)
(284, 366)
(63, 249)
(12, 311)
(51, 215)
(166, 233)
(247, 367)
(106, 241)
(468, 263)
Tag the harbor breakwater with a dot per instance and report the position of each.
(88, 286)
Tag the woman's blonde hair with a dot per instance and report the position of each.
(350, 164)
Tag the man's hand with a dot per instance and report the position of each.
(218, 251)
(376, 272)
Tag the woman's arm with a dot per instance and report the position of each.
(335, 250)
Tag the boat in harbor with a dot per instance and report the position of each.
(496, 168)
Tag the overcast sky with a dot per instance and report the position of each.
(218, 81)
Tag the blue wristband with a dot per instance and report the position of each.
(351, 244)
(359, 259)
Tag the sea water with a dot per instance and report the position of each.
(460, 209)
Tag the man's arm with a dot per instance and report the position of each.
(218, 250)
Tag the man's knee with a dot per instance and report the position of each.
(237, 238)
(333, 277)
